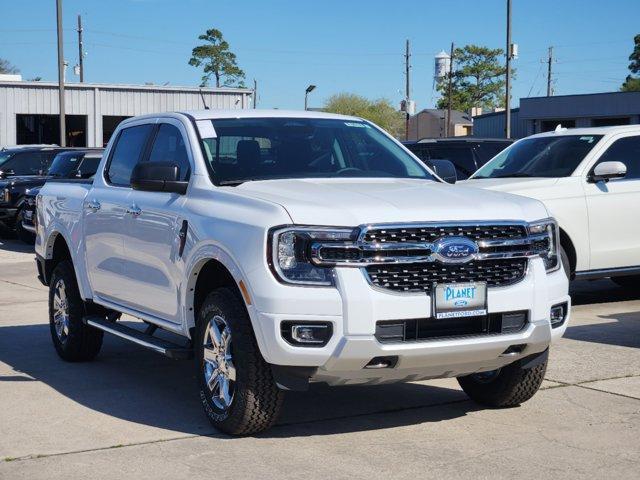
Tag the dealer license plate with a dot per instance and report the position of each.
(456, 300)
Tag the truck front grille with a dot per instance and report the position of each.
(431, 233)
(420, 277)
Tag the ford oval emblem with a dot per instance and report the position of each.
(455, 249)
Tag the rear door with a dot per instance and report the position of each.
(151, 240)
(614, 209)
(105, 211)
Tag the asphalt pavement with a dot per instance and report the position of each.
(134, 414)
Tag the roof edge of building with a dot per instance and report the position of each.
(125, 86)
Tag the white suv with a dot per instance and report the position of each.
(589, 179)
(284, 248)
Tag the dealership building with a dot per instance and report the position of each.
(542, 114)
(29, 112)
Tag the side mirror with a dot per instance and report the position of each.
(6, 173)
(158, 177)
(606, 171)
(445, 169)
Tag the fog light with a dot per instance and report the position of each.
(558, 315)
(382, 362)
(311, 334)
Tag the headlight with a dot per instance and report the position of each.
(289, 252)
(547, 242)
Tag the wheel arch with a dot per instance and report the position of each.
(570, 249)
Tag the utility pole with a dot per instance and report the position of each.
(449, 88)
(80, 49)
(255, 93)
(63, 127)
(507, 99)
(550, 60)
(407, 66)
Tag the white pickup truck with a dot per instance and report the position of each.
(282, 248)
(589, 179)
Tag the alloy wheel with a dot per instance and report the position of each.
(219, 370)
(61, 311)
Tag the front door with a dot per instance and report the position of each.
(614, 213)
(152, 238)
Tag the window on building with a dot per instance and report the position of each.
(109, 125)
(627, 151)
(607, 122)
(168, 146)
(550, 125)
(38, 129)
(126, 154)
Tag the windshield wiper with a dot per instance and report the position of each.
(233, 183)
(514, 175)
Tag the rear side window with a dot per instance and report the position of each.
(461, 157)
(126, 154)
(88, 167)
(26, 163)
(627, 151)
(168, 146)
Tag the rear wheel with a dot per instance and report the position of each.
(73, 340)
(237, 389)
(506, 387)
(630, 282)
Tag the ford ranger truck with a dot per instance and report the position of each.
(281, 248)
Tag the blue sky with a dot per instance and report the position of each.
(339, 45)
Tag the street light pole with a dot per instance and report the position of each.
(309, 89)
(63, 127)
(507, 100)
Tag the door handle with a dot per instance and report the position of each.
(133, 210)
(93, 205)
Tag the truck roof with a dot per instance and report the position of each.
(591, 131)
(263, 113)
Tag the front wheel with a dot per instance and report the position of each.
(237, 389)
(506, 387)
(72, 338)
(25, 235)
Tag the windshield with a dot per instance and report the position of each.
(65, 163)
(274, 148)
(4, 156)
(554, 157)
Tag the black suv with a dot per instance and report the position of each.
(466, 153)
(22, 169)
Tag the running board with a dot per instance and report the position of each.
(164, 347)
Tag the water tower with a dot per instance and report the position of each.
(442, 66)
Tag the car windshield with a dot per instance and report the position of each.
(275, 148)
(65, 163)
(4, 156)
(553, 157)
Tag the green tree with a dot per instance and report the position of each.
(632, 83)
(380, 111)
(478, 79)
(217, 60)
(6, 67)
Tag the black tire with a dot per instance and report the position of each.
(566, 264)
(507, 387)
(25, 235)
(256, 401)
(629, 282)
(77, 342)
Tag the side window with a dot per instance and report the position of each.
(169, 146)
(461, 157)
(88, 167)
(627, 151)
(126, 154)
(27, 163)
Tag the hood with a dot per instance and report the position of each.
(510, 184)
(23, 180)
(356, 201)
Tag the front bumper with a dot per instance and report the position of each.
(354, 307)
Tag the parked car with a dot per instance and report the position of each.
(283, 248)
(466, 153)
(75, 163)
(589, 178)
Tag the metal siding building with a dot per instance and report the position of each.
(541, 114)
(98, 107)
